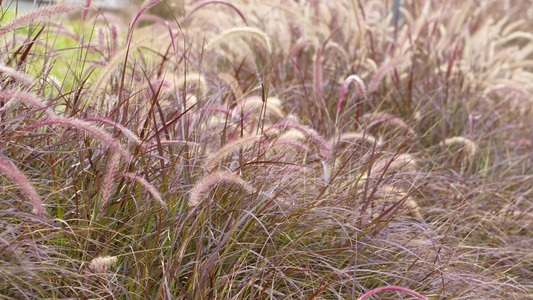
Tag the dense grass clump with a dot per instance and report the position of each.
(268, 150)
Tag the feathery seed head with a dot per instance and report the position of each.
(373, 86)
(107, 71)
(360, 88)
(470, 145)
(317, 78)
(216, 157)
(397, 162)
(353, 136)
(243, 31)
(87, 127)
(19, 178)
(17, 75)
(145, 184)
(108, 178)
(204, 184)
(312, 135)
(381, 117)
(26, 97)
(132, 136)
(255, 103)
(100, 264)
(39, 14)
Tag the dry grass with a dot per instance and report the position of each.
(273, 176)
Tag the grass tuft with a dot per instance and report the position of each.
(159, 165)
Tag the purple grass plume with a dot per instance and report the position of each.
(131, 136)
(40, 14)
(26, 97)
(17, 75)
(219, 2)
(360, 89)
(19, 178)
(108, 178)
(216, 157)
(145, 184)
(203, 186)
(317, 79)
(374, 83)
(312, 135)
(87, 5)
(87, 127)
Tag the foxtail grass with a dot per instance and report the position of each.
(107, 181)
(150, 188)
(272, 107)
(315, 207)
(26, 97)
(317, 79)
(350, 137)
(87, 127)
(237, 144)
(376, 79)
(40, 14)
(107, 71)
(229, 4)
(101, 264)
(132, 136)
(22, 181)
(373, 119)
(468, 143)
(242, 31)
(17, 75)
(313, 136)
(360, 88)
(204, 185)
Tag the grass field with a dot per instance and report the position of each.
(268, 150)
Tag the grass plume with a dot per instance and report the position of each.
(150, 188)
(87, 127)
(242, 31)
(132, 136)
(26, 97)
(40, 14)
(468, 143)
(313, 136)
(237, 144)
(360, 88)
(17, 75)
(108, 179)
(20, 179)
(378, 118)
(101, 264)
(317, 79)
(374, 83)
(166, 171)
(106, 72)
(204, 185)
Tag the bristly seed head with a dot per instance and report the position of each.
(204, 184)
(19, 178)
(244, 31)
